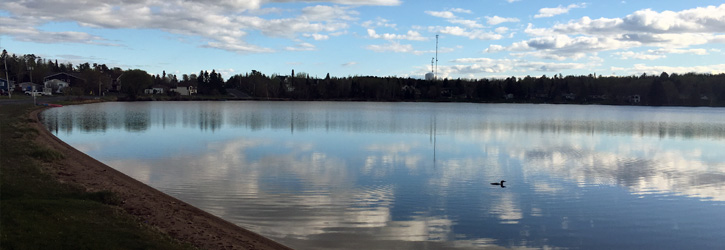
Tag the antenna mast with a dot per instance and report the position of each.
(435, 73)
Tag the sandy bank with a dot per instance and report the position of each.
(170, 215)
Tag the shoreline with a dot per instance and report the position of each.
(169, 215)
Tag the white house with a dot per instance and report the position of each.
(29, 86)
(56, 83)
(185, 89)
(634, 99)
(155, 90)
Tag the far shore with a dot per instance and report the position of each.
(169, 215)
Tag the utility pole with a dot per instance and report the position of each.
(7, 77)
(32, 85)
(30, 68)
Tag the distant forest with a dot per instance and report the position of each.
(690, 89)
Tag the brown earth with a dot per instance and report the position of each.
(169, 215)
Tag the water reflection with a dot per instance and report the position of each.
(543, 119)
(416, 175)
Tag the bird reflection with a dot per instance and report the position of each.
(499, 183)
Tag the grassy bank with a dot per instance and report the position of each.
(38, 212)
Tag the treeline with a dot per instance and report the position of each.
(690, 89)
(32, 68)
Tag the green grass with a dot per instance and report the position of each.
(45, 154)
(38, 212)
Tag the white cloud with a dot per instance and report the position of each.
(317, 36)
(493, 66)
(394, 46)
(709, 19)
(495, 20)
(638, 55)
(440, 50)
(561, 47)
(379, 22)
(222, 24)
(301, 47)
(655, 70)
(460, 10)
(348, 64)
(494, 48)
(452, 18)
(550, 12)
(411, 35)
(441, 14)
(391, 47)
(671, 32)
(473, 34)
(238, 46)
(468, 23)
(659, 53)
(355, 2)
(501, 30)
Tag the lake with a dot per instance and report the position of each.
(347, 175)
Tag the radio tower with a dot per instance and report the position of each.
(435, 74)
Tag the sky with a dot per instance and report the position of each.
(476, 38)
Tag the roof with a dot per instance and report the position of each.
(63, 73)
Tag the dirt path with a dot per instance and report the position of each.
(170, 215)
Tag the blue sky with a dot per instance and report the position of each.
(478, 38)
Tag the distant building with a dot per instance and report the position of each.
(289, 87)
(116, 84)
(598, 97)
(28, 86)
(4, 85)
(155, 90)
(184, 89)
(57, 83)
(634, 99)
(430, 76)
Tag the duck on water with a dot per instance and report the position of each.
(499, 183)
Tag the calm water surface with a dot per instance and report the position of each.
(319, 175)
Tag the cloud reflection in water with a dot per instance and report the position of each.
(352, 175)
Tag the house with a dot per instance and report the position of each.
(634, 99)
(29, 86)
(56, 83)
(289, 87)
(598, 97)
(410, 91)
(4, 85)
(156, 89)
(184, 89)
